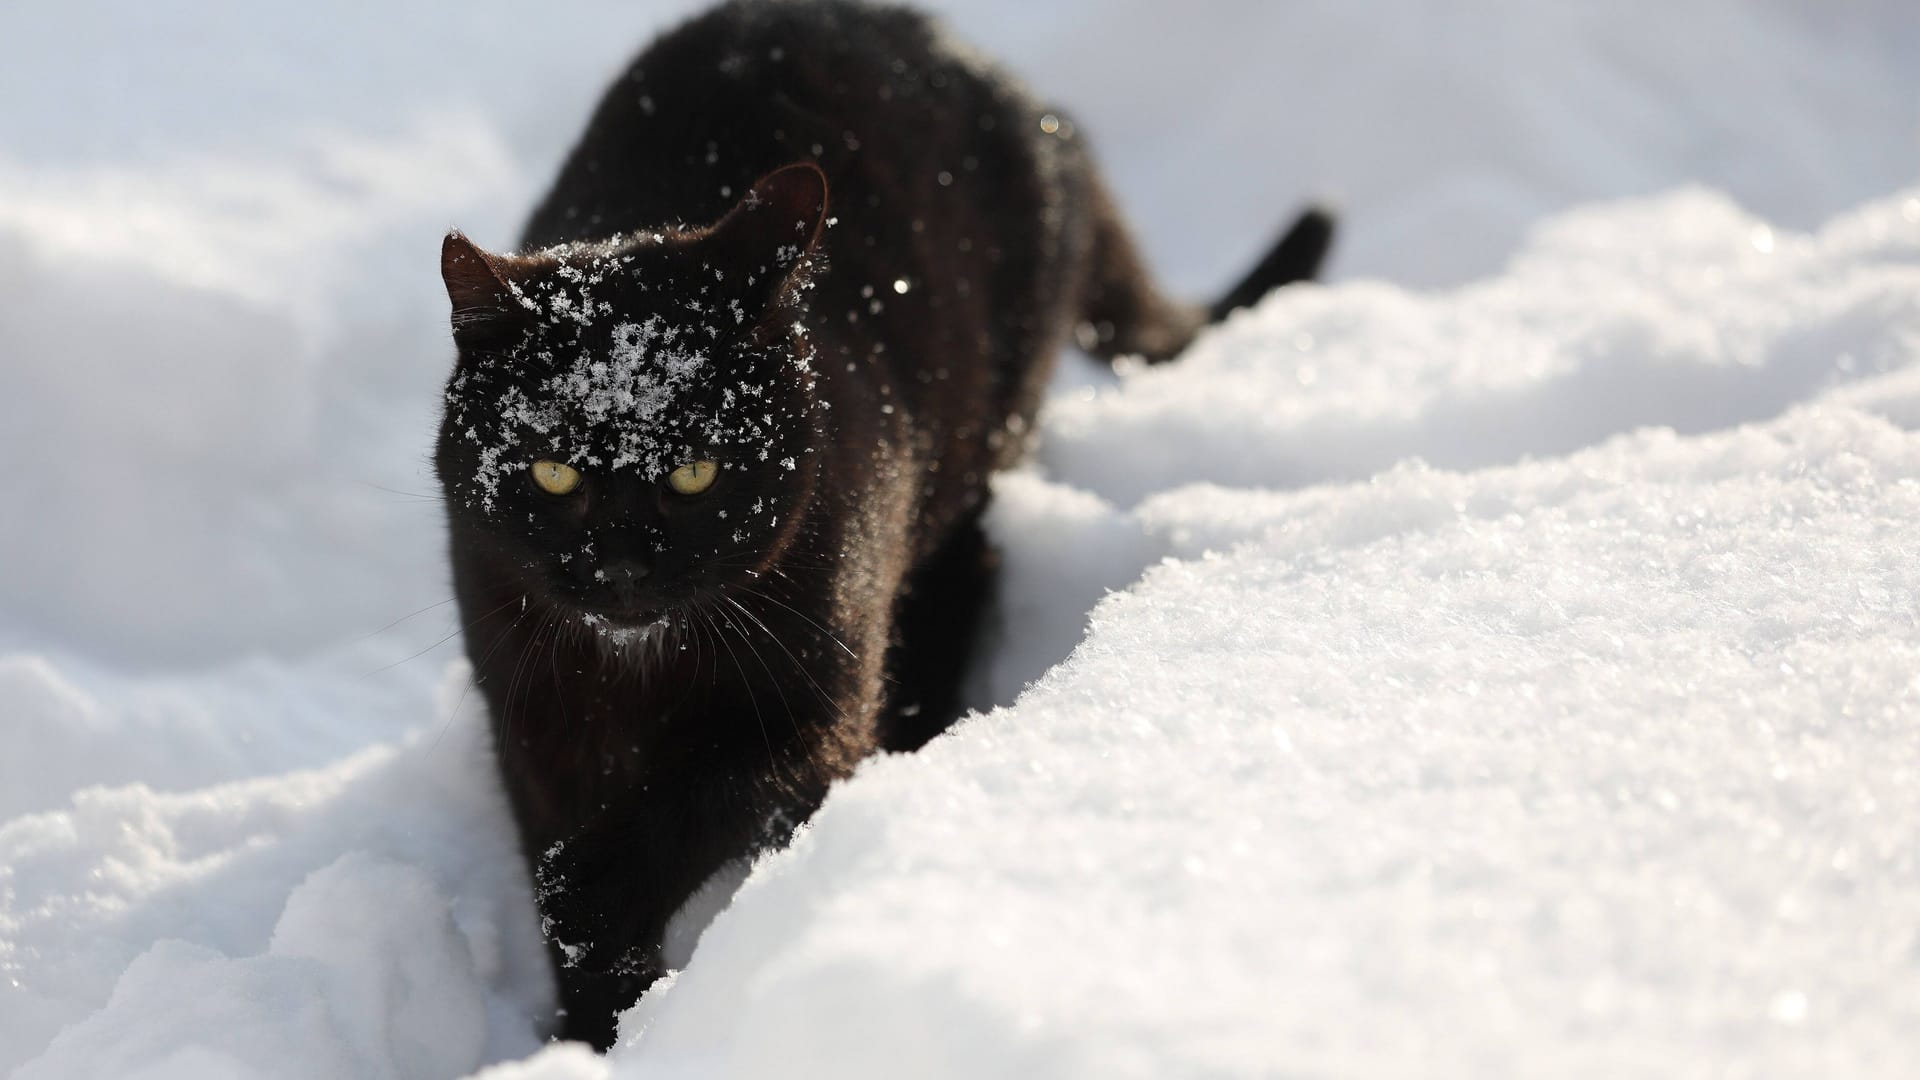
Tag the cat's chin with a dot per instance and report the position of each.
(625, 624)
(629, 639)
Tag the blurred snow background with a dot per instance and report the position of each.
(1458, 725)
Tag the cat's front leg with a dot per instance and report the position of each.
(601, 913)
(591, 1001)
(607, 892)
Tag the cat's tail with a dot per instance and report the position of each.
(1296, 257)
(1124, 313)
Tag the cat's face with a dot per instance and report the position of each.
(630, 426)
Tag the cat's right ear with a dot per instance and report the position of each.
(483, 303)
(770, 234)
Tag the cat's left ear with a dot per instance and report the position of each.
(483, 302)
(772, 230)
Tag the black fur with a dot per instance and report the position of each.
(902, 239)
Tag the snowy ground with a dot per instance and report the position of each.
(1514, 658)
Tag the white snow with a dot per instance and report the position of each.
(368, 918)
(1593, 765)
(1503, 661)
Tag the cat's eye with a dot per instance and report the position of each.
(555, 478)
(694, 477)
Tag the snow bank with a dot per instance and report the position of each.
(1681, 312)
(366, 963)
(366, 919)
(1595, 765)
(1457, 725)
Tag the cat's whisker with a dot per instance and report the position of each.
(527, 652)
(404, 618)
(697, 657)
(703, 635)
(561, 627)
(802, 615)
(798, 667)
(747, 640)
(415, 495)
(513, 682)
(437, 644)
(473, 678)
(806, 744)
(772, 759)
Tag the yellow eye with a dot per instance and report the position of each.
(555, 478)
(694, 477)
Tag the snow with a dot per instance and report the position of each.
(1501, 660)
(367, 918)
(1597, 764)
(1601, 328)
(373, 996)
(1586, 761)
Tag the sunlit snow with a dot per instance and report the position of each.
(1504, 660)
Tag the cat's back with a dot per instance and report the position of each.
(878, 95)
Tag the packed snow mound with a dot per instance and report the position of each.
(370, 919)
(366, 957)
(91, 725)
(1597, 766)
(1681, 311)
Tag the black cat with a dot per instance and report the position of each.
(717, 444)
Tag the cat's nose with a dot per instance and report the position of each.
(626, 577)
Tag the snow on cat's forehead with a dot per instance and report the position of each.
(622, 395)
(645, 368)
(623, 372)
(565, 293)
(572, 292)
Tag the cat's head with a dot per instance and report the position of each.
(631, 424)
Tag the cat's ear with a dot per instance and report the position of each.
(771, 232)
(483, 302)
(793, 205)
